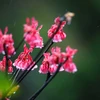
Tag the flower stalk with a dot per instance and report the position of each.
(33, 97)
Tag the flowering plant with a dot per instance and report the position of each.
(52, 63)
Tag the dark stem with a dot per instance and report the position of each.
(6, 55)
(47, 82)
(48, 76)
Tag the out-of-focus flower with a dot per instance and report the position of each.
(53, 68)
(10, 50)
(7, 99)
(10, 68)
(44, 67)
(7, 41)
(60, 35)
(24, 60)
(3, 65)
(69, 66)
(31, 33)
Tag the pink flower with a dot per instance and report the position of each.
(52, 60)
(36, 41)
(60, 35)
(62, 57)
(10, 50)
(32, 35)
(3, 65)
(7, 40)
(30, 25)
(24, 60)
(70, 52)
(46, 56)
(10, 68)
(56, 51)
(44, 68)
(53, 68)
(69, 66)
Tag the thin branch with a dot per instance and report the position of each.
(48, 76)
(47, 82)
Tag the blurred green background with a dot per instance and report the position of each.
(83, 34)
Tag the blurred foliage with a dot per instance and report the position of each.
(83, 34)
(4, 83)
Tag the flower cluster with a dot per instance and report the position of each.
(24, 60)
(60, 35)
(6, 43)
(32, 35)
(51, 61)
(3, 66)
(7, 48)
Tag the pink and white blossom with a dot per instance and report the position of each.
(44, 68)
(69, 66)
(3, 65)
(70, 52)
(31, 33)
(60, 35)
(52, 60)
(7, 41)
(24, 60)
